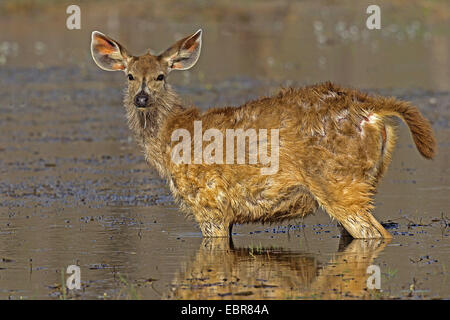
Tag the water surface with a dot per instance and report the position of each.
(74, 187)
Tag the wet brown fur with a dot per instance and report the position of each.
(335, 145)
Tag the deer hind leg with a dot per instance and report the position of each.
(350, 205)
(387, 140)
(363, 226)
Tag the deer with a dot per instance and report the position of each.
(333, 145)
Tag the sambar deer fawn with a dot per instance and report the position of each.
(334, 144)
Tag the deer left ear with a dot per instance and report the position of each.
(184, 53)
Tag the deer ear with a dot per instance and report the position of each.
(184, 53)
(107, 53)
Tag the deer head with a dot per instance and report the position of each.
(146, 74)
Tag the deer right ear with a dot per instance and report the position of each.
(107, 53)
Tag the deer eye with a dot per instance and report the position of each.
(130, 77)
(160, 77)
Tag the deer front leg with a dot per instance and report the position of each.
(212, 228)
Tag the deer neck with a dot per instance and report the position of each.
(146, 126)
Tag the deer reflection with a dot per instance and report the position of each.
(220, 271)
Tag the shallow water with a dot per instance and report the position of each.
(74, 188)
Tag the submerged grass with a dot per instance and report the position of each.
(131, 292)
(63, 286)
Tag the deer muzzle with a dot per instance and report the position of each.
(142, 100)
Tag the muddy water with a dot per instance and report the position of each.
(74, 188)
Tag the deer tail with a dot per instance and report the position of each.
(421, 130)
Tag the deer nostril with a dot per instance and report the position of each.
(141, 100)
